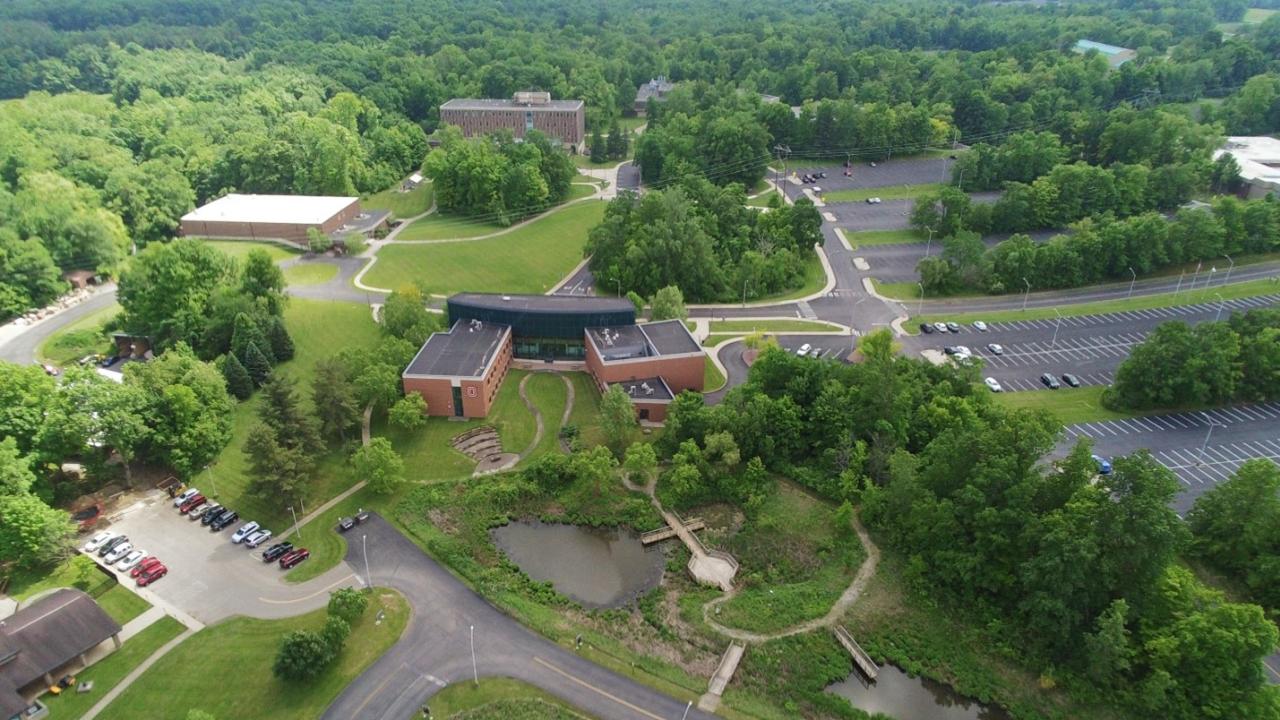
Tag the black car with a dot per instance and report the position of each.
(275, 551)
(1050, 381)
(820, 175)
(950, 350)
(210, 518)
(1071, 380)
(926, 328)
(346, 523)
(112, 544)
(221, 523)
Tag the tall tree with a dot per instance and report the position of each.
(239, 384)
(617, 417)
(334, 398)
(668, 304)
(380, 465)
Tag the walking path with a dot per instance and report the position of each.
(537, 419)
(136, 673)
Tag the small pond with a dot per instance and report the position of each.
(903, 697)
(597, 567)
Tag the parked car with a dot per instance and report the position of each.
(210, 517)
(97, 541)
(1104, 467)
(112, 544)
(940, 327)
(293, 557)
(804, 350)
(153, 574)
(979, 326)
(86, 517)
(950, 349)
(133, 558)
(1050, 381)
(118, 553)
(346, 523)
(926, 328)
(820, 175)
(275, 551)
(192, 504)
(222, 523)
(994, 385)
(963, 350)
(953, 327)
(245, 531)
(184, 496)
(996, 348)
(1071, 380)
(257, 538)
(817, 190)
(204, 509)
(146, 564)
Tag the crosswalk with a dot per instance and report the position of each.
(1217, 462)
(1176, 421)
(1064, 352)
(1168, 313)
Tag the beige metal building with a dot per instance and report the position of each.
(275, 217)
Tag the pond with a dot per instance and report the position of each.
(903, 697)
(596, 567)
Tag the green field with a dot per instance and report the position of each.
(85, 336)
(108, 672)
(1254, 16)
(401, 204)
(530, 259)
(441, 226)
(1251, 288)
(241, 650)
(24, 584)
(580, 190)
(239, 248)
(893, 192)
(548, 393)
(500, 699)
(310, 273)
(883, 237)
(762, 200)
(712, 378)
(771, 325)
(1070, 405)
(122, 604)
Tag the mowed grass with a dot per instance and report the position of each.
(238, 249)
(712, 378)
(108, 672)
(1255, 16)
(762, 200)
(310, 273)
(442, 226)
(586, 409)
(530, 259)
(867, 238)
(500, 699)
(401, 204)
(1069, 405)
(548, 393)
(240, 651)
(319, 329)
(771, 325)
(892, 192)
(1251, 288)
(86, 336)
(122, 604)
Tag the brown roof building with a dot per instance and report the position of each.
(44, 640)
(562, 120)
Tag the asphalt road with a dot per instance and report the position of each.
(22, 348)
(436, 649)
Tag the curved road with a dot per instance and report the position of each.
(436, 647)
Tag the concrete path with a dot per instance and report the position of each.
(137, 672)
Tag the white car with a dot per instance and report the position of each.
(994, 385)
(804, 350)
(996, 349)
(245, 531)
(962, 350)
(206, 508)
(257, 538)
(185, 496)
(133, 558)
(97, 541)
(979, 326)
(941, 327)
(119, 553)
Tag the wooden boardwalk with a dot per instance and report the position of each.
(860, 656)
(668, 532)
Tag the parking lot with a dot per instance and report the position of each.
(897, 262)
(907, 171)
(827, 347)
(209, 577)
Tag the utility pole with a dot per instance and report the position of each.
(1179, 288)
(1196, 275)
(1027, 295)
(920, 308)
(212, 484)
(296, 530)
(1131, 282)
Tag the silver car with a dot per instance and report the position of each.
(257, 538)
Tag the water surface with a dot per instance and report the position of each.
(903, 697)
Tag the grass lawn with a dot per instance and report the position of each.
(108, 672)
(586, 408)
(1069, 405)
(897, 290)
(580, 190)
(319, 329)
(25, 584)
(85, 336)
(815, 278)
(712, 378)
(440, 226)
(241, 650)
(401, 204)
(310, 273)
(549, 394)
(1251, 288)
(795, 563)
(762, 200)
(1254, 16)
(773, 325)
(122, 604)
(714, 339)
(511, 416)
(240, 248)
(528, 260)
(883, 237)
(893, 192)
(499, 699)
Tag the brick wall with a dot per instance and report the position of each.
(569, 126)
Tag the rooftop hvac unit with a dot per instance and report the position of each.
(647, 390)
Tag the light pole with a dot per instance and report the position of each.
(1056, 326)
(1179, 288)
(853, 314)
(1026, 295)
(1231, 267)
(928, 249)
(1218, 316)
(296, 529)
(1205, 444)
(212, 484)
(1196, 275)
(920, 307)
(744, 292)
(475, 674)
(1131, 282)
(686, 710)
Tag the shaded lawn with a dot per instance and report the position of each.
(25, 584)
(530, 259)
(242, 650)
(86, 336)
(401, 204)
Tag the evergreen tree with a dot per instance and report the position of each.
(257, 364)
(282, 411)
(617, 145)
(246, 332)
(335, 398)
(278, 338)
(239, 384)
(599, 151)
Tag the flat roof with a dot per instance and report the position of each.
(1103, 48)
(288, 209)
(620, 343)
(545, 303)
(653, 389)
(670, 337)
(1258, 157)
(465, 351)
(509, 104)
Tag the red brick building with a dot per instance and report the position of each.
(652, 362)
(459, 372)
(562, 120)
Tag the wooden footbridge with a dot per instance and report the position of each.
(667, 532)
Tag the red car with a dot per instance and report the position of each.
(146, 564)
(195, 502)
(294, 557)
(156, 572)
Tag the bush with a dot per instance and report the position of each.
(302, 656)
(348, 603)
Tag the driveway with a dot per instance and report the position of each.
(436, 648)
(209, 577)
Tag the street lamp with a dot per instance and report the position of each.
(928, 249)
(1179, 288)
(1205, 444)
(1131, 282)
(1221, 302)
(475, 674)
(920, 307)
(686, 710)
(853, 314)
(1056, 326)
(1227, 279)
(364, 548)
(212, 484)
(1026, 295)
(296, 530)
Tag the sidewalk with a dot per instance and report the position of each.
(136, 673)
